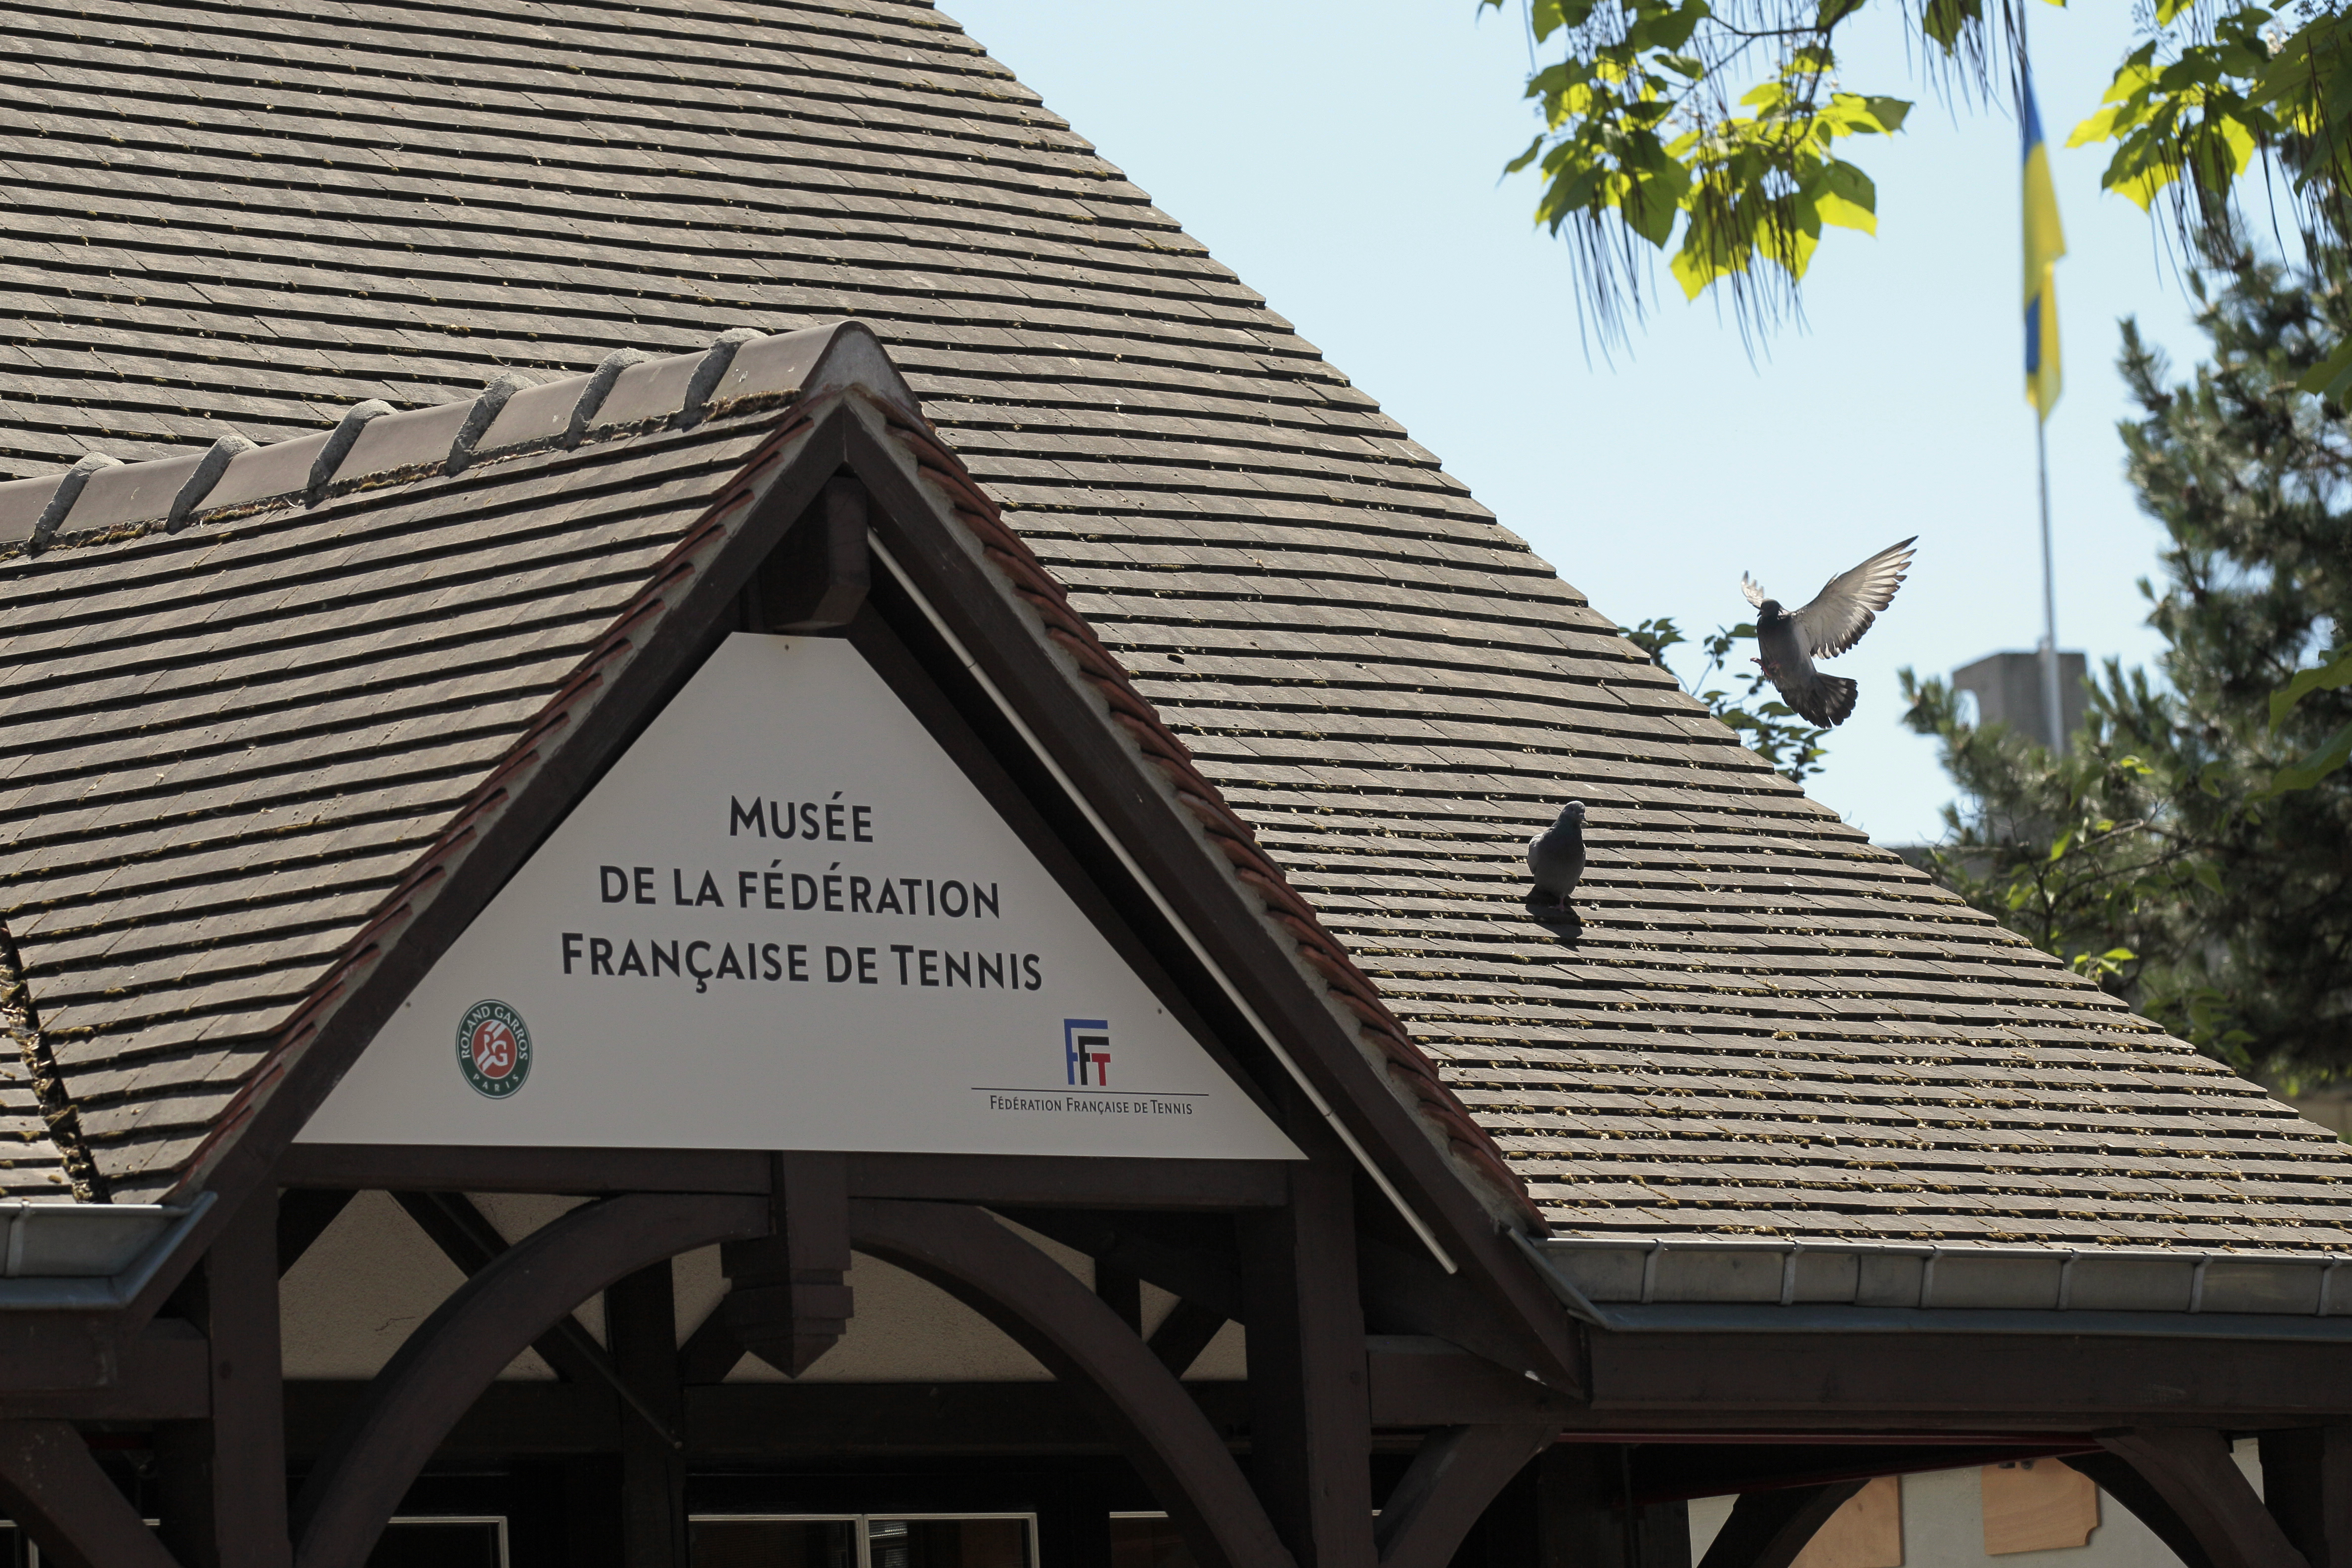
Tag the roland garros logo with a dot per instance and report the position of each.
(493, 1048)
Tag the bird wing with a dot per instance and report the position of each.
(1753, 589)
(1850, 601)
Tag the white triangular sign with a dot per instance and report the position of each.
(786, 920)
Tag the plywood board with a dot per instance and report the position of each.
(2037, 1505)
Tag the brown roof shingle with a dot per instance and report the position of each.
(244, 218)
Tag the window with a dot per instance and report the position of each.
(453, 1541)
(408, 1542)
(865, 1541)
(1147, 1541)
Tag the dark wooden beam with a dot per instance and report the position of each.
(513, 1421)
(1140, 1405)
(1767, 1529)
(815, 581)
(1052, 1181)
(1183, 1334)
(1039, 1181)
(1582, 1507)
(1423, 1380)
(1669, 1471)
(1121, 1290)
(1456, 1474)
(788, 1300)
(709, 1353)
(446, 1364)
(1190, 1255)
(58, 1495)
(467, 1238)
(1406, 1292)
(1734, 1379)
(303, 1216)
(641, 1322)
(2308, 1487)
(161, 1373)
(2114, 1476)
(224, 1478)
(588, 1172)
(2191, 1470)
(737, 1423)
(1310, 1449)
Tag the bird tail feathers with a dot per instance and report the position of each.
(1826, 700)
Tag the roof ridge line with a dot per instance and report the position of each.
(101, 500)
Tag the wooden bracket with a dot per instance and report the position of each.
(1456, 1473)
(224, 1479)
(816, 580)
(56, 1492)
(2189, 1468)
(1767, 1529)
(788, 1301)
(1138, 1402)
(446, 1363)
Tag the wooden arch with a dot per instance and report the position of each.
(1137, 1401)
(443, 1367)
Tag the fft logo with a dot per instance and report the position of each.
(493, 1048)
(1086, 1051)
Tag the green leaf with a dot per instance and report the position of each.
(1847, 199)
(2331, 376)
(2326, 760)
(1944, 19)
(2333, 675)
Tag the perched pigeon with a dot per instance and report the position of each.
(1556, 856)
(1832, 624)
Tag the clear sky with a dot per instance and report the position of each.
(1344, 161)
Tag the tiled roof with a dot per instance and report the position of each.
(226, 743)
(237, 217)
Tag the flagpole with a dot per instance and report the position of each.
(2053, 716)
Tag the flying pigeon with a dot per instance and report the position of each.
(1832, 624)
(1556, 856)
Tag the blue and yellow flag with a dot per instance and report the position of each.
(2045, 242)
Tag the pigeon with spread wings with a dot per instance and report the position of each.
(1788, 642)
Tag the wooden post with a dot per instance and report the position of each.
(224, 1480)
(1311, 1412)
(641, 1323)
(817, 578)
(594, 1532)
(1579, 1507)
(787, 1300)
(2308, 1487)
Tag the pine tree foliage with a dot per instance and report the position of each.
(2192, 850)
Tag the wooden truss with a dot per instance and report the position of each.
(1403, 1355)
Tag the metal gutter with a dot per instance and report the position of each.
(91, 1257)
(1691, 1284)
